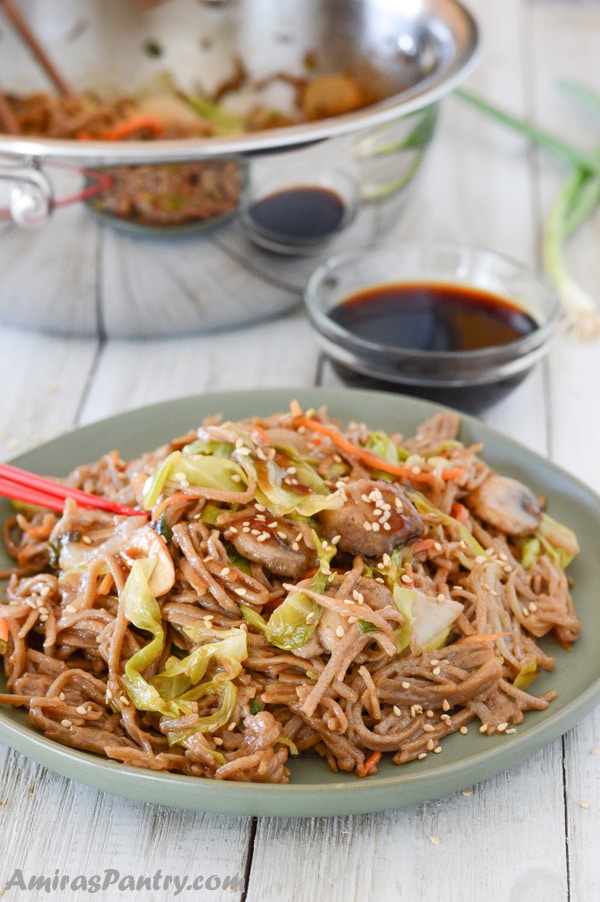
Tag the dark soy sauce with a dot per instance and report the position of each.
(305, 214)
(434, 317)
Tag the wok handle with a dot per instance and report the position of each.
(31, 196)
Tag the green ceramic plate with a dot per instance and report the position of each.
(314, 790)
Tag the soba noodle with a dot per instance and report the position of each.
(297, 588)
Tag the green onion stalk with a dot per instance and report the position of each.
(577, 200)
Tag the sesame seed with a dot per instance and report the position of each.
(405, 578)
(584, 804)
(405, 684)
(446, 705)
(310, 617)
(339, 631)
(81, 709)
(467, 792)
(437, 750)
(241, 590)
(483, 728)
(430, 745)
(435, 840)
(396, 710)
(502, 727)
(512, 730)
(533, 607)
(66, 723)
(236, 477)
(428, 728)
(436, 671)
(422, 755)
(463, 730)
(225, 571)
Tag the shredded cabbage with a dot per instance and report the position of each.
(172, 692)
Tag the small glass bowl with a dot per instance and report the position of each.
(289, 213)
(427, 365)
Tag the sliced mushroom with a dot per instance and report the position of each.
(375, 518)
(279, 549)
(332, 627)
(145, 543)
(506, 504)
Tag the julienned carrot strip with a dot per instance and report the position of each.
(261, 433)
(481, 637)
(460, 512)
(422, 545)
(370, 765)
(3, 629)
(374, 460)
(171, 499)
(129, 127)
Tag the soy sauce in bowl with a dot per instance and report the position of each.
(302, 214)
(455, 324)
(299, 217)
(432, 317)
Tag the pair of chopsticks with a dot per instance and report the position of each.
(8, 120)
(20, 485)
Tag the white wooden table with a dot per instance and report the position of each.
(530, 833)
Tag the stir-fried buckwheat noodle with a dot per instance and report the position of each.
(297, 588)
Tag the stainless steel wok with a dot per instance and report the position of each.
(412, 52)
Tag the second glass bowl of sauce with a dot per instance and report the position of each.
(457, 324)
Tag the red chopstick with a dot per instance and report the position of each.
(20, 485)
